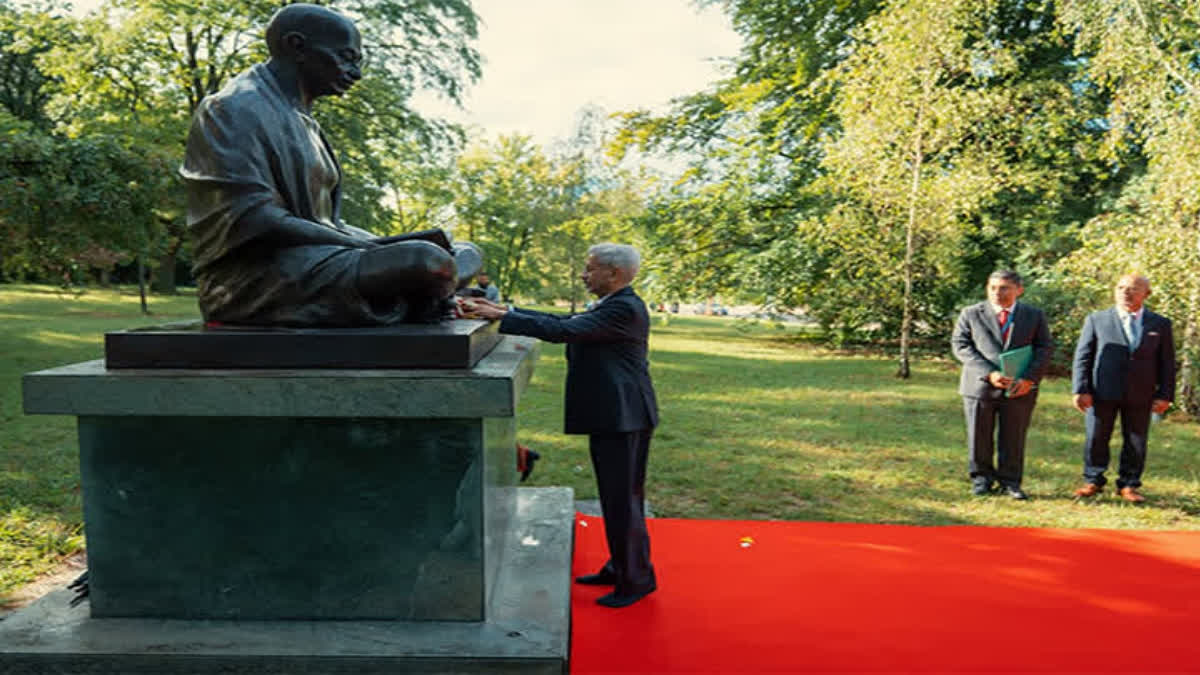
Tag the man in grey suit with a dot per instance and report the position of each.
(1124, 364)
(609, 397)
(983, 331)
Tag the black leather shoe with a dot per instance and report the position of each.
(597, 579)
(981, 489)
(617, 601)
(1016, 493)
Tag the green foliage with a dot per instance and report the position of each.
(25, 35)
(507, 200)
(908, 161)
(535, 215)
(65, 202)
(870, 163)
(1144, 53)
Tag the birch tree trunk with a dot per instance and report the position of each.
(906, 320)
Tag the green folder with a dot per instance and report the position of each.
(1014, 362)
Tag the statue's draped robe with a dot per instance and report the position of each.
(254, 156)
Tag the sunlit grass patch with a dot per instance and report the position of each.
(28, 543)
(57, 338)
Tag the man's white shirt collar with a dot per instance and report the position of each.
(1137, 316)
(996, 309)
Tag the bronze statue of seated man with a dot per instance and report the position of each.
(263, 196)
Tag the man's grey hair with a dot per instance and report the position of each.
(1006, 275)
(621, 256)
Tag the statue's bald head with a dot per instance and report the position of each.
(303, 18)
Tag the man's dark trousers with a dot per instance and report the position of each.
(1013, 415)
(1125, 382)
(978, 342)
(1135, 430)
(619, 460)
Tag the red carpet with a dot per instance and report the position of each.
(833, 597)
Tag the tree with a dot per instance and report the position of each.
(535, 214)
(66, 201)
(752, 144)
(1144, 53)
(506, 201)
(813, 184)
(599, 200)
(25, 35)
(909, 100)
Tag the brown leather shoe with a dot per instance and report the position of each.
(1089, 490)
(1131, 495)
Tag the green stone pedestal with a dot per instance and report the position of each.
(527, 630)
(327, 497)
(294, 518)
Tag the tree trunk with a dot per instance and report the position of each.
(907, 319)
(1189, 378)
(164, 276)
(576, 270)
(141, 272)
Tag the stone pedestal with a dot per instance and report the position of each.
(527, 630)
(295, 518)
(223, 497)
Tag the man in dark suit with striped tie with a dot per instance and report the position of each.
(1124, 365)
(998, 407)
(609, 396)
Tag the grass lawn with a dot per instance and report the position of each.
(757, 423)
(42, 327)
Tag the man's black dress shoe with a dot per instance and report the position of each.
(981, 489)
(597, 579)
(1016, 493)
(616, 601)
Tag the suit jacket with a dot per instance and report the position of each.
(1105, 368)
(608, 376)
(977, 343)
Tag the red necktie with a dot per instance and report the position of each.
(1002, 317)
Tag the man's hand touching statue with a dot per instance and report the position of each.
(480, 308)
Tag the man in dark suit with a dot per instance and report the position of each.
(983, 331)
(1124, 364)
(609, 396)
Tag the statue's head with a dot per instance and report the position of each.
(322, 46)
